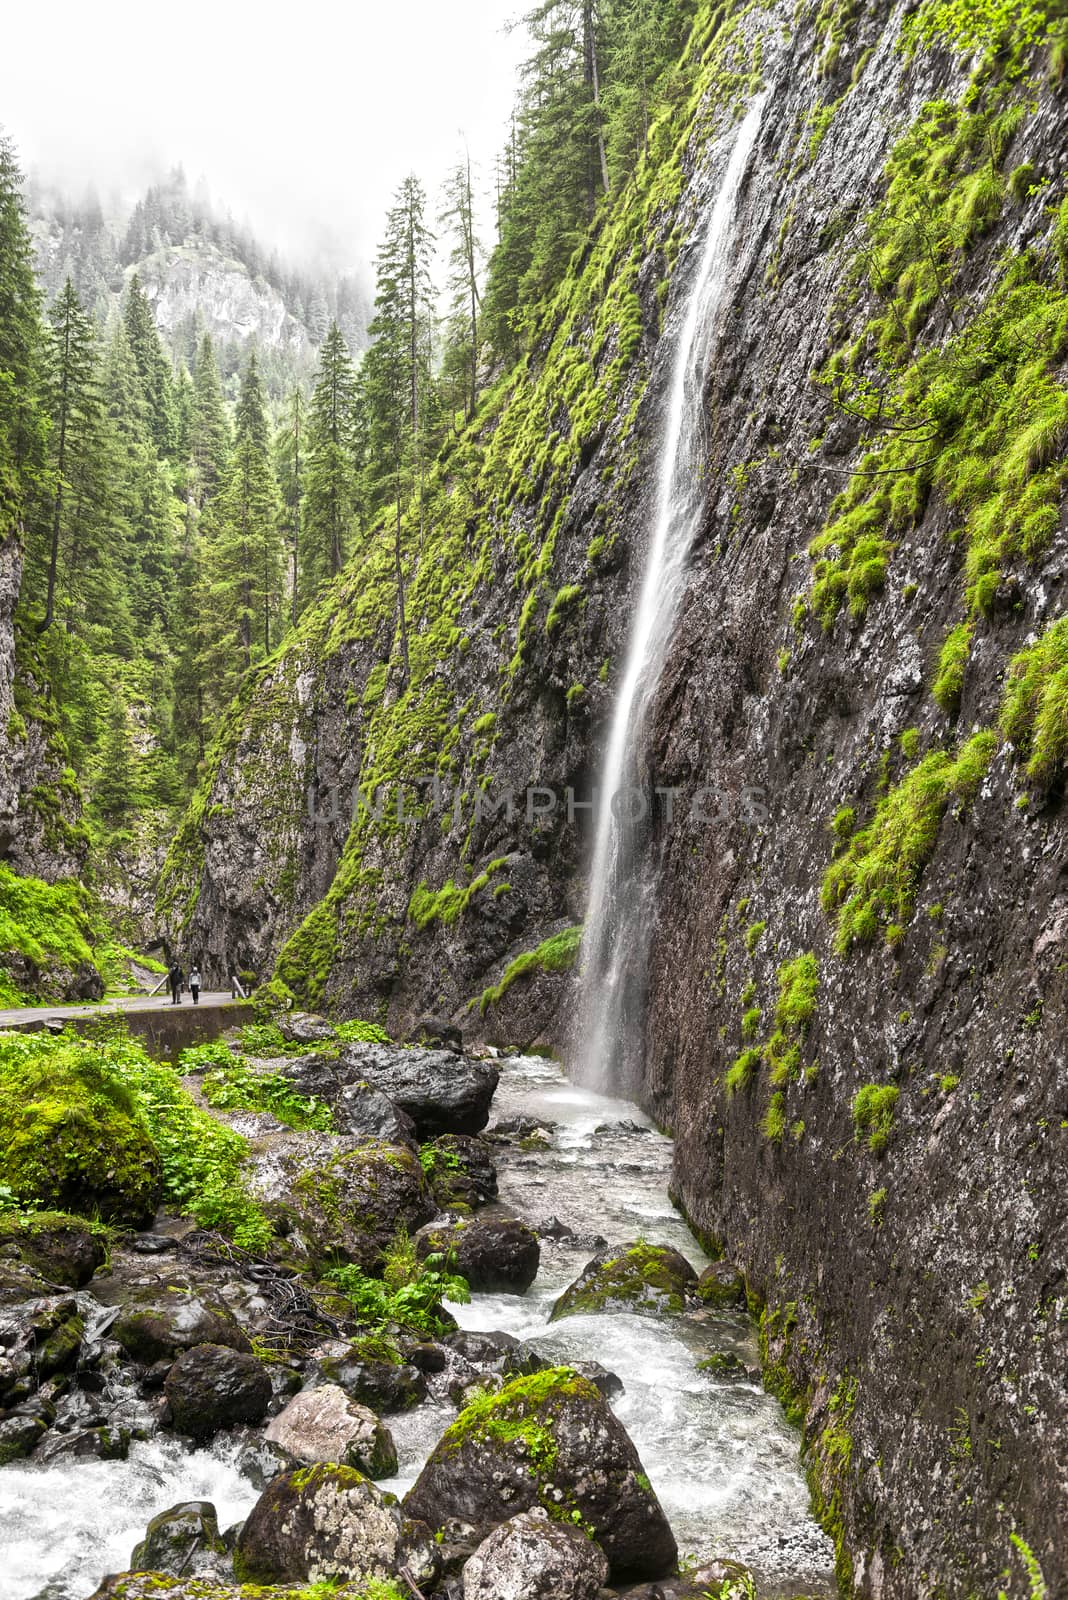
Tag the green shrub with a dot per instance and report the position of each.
(237, 1087)
(413, 1301)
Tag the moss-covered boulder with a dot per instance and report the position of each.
(323, 1424)
(330, 1522)
(164, 1586)
(373, 1374)
(721, 1285)
(59, 1247)
(345, 1198)
(161, 1320)
(212, 1386)
(185, 1540)
(497, 1255)
(549, 1440)
(462, 1172)
(71, 1136)
(647, 1278)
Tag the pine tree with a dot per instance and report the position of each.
(397, 366)
(114, 789)
(330, 479)
(210, 429)
(460, 359)
(22, 425)
(290, 456)
(242, 564)
(77, 411)
(153, 368)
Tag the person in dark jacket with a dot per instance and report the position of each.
(174, 977)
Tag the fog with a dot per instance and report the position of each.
(302, 119)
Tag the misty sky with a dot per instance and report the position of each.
(303, 118)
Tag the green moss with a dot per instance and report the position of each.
(558, 953)
(642, 1278)
(743, 1070)
(873, 1113)
(872, 885)
(564, 602)
(449, 903)
(774, 1124)
(101, 1127)
(49, 925)
(753, 935)
(1034, 709)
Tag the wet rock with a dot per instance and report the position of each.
(726, 1580)
(20, 1432)
(647, 1278)
(438, 1035)
(497, 1255)
(426, 1356)
(157, 1322)
(325, 1522)
(727, 1367)
(325, 1425)
(384, 1385)
(183, 1540)
(624, 1125)
(531, 1558)
(361, 1109)
(488, 1351)
(304, 1027)
(721, 1284)
(39, 1338)
(212, 1386)
(607, 1382)
(101, 1443)
(61, 1248)
(345, 1197)
(441, 1092)
(457, 1542)
(461, 1171)
(548, 1440)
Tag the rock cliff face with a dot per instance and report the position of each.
(198, 280)
(852, 1016)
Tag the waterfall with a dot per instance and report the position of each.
(619, 911)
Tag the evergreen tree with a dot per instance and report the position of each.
(210, 429)
(242, 559)
(153, 368)
(397, 366)
(77, 445)
(330, 481)
(22, 424)
(290, 455)
(460, 360)
(114, 788)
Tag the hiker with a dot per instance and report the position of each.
(174, 978)
(194, 983)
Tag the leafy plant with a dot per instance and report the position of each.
(238, 1087)
(414, 1304)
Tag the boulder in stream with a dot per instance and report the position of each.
(372, 1373)
(726, 1580)
(721, 1285)
(159, 1320)
(62, 1248)
(323, 1424)
(441, 1092)
(532, 1558)
(461, 1170)
(647, 1278)
(549, 1440)
(345, 1197)
(184, 1540)
(497, 1255)
(329, 1521)
(211, 1386)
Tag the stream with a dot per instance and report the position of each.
(720, 1455)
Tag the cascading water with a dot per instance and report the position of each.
(616, 912)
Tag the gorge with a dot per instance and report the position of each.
(763, 521)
